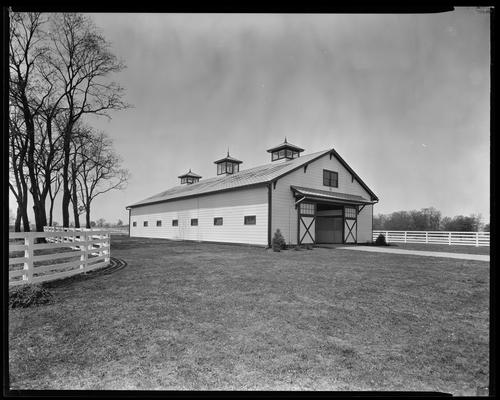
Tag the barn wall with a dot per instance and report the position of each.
(232, 206)
(284, 214)
(365, 224)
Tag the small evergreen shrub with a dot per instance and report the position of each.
(380, 241)
(28, 296)
(278, 241)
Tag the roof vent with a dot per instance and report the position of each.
(285, 151)
(189, 178)
(227, 165)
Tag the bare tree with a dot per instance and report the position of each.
(18, 147)
(82, 62)
(26, 95)
(99, 170)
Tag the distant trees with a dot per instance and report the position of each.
(427, 219)
(59, 73)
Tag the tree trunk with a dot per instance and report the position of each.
(17, 224)
(24, 212)
(87, 216)
(75, 196)
(51, 211)
(65, 176)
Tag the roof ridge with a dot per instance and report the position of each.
(232, 181)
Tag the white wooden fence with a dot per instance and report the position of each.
(92, 252)
(436, 237)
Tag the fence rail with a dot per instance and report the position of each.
(25, 266)
(436, 237)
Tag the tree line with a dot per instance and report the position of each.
(428, 219)
(60, 70)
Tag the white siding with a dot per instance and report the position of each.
(284, 214)
(232, 206)
(365, 220)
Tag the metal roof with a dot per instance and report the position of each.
(247, 177)
(325, 194)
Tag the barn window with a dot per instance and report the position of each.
(307, 208)
(350, 212)
(218, 221)
(175, 222)
(145, 223)
(194, 221)
(134, 223)
(330, 178)
(250, 219)
(158, 223)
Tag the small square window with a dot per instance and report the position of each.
(158, 223)
(145, 223)
(350, 212)
(218, 221)
(281, 154)
(194, 222)
(175, 222)
(307, 208)
(250, 219)
(134, 223)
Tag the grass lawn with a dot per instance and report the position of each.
(204, 316)
(442, 248)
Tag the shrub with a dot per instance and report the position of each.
(28, 296)
(278, 241)
(380, 241)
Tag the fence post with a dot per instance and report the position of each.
(83, 257)
(108, 247)
(387, 236)
(449, 238)
(477, 239)
(426, 237)
(28, 254)
(405, 236)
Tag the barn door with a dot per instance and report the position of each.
(350, 225)
(307, 221)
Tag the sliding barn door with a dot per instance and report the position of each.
(350, 225)
(307, 223)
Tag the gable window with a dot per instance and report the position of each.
(330, 178)
(134, 223)
(194, 221)
(175, 222)
(158, 223)
(218, 221)
(145, 223)
(250, 219)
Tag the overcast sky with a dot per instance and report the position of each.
(403, 98)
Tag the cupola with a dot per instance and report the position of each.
(285, 151)
(227, 165)
(189, 178)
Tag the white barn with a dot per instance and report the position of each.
(312, 199)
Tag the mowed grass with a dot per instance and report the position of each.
(207, 317)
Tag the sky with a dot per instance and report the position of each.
(403, 98)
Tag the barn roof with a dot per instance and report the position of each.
(248, 177)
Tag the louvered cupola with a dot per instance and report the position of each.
(227, 165)
(285, 151)
(189, 178)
